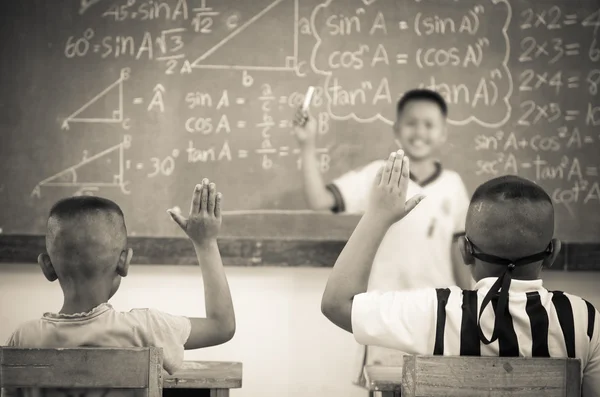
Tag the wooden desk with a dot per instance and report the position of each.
(383, 381)
(198, 378)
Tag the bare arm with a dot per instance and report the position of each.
(203, 227)
(219, 325)
(350, 274)
(317, 195)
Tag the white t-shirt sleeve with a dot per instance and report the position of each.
(351, 190)
(167, 331)
(461, 206)
(591, 372)
(403, 320)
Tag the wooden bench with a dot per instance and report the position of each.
(437, 376)
(124, 369)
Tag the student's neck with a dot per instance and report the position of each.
(422, 169)
(82, 301)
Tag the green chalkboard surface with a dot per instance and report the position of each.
(138, 100)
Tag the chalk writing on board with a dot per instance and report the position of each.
(112, 159)
(288, 61)
(85, 4)
(88, 113)
(486, 93)
(196, 99)
(145, 11)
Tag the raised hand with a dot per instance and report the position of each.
(204, 221)
(305, 128)
(387, 202)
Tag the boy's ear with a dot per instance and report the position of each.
(556, 246)
(465, 251)
(47, 268)
(124, 259)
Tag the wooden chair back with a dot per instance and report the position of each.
(434, 376)
(130, 369)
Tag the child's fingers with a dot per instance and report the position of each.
(211, 198)
(300, 118)
(412, 203)
(196, 199)
(378, 176)
(204, 195)
(178, 218)
(405, 176)
(387, 172)
(397, 168)
(218, 205)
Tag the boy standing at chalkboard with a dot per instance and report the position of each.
(420, 252)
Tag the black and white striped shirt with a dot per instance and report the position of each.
(443, 321)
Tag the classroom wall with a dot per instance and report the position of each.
(286, 345)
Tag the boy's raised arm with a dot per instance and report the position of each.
(315, 190)
(350, 274)
(202, 227)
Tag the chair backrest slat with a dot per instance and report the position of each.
(434, 376)
(130, 368)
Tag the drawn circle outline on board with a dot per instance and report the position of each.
(88, 34)
(126, 124)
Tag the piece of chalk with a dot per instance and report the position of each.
(308, 98)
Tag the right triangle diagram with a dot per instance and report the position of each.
(265, 41)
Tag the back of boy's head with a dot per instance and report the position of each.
(509, 228)
(85, 237)
(421, 94)
(510, 217)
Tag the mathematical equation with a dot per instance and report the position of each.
(555, 140)
(509, 72)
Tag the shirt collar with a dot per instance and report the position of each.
(515, 285)
(436, 174)
(98, 310)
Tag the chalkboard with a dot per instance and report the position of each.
(138, 100)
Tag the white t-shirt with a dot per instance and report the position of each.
(443, 321)
(415, 253)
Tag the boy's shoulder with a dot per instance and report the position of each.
(26, 332)
(451, 176)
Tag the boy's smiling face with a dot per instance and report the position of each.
(420, 128)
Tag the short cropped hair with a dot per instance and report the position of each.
(71, 207)
(422, 95)
(511, 217)
(510, 187)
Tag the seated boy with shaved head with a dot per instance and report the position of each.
(509, 238)
(87, 253)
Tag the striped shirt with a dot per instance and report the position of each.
(443, 321)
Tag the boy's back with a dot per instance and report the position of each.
(443, 321)
(105, 327)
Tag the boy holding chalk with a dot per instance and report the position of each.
(427, 236)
